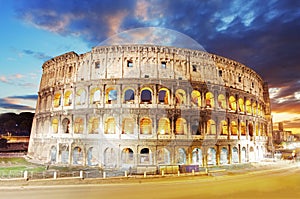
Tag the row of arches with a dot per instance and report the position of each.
(163, 126)
(112, 157)
(146, 96)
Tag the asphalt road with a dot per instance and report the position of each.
(281, 184)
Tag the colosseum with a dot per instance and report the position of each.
(122, 106)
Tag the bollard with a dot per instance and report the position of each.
(193, 172)
(55, 175)
(126, 174)
(104, 174)
(163, 173)
(178, 173)
(145, 174)
(81, 174)
(206, 170)
(26, 175)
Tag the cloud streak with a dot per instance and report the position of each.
(13, 102)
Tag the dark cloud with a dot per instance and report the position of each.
(38, 55)
(7, 103)
(28, 97)
(261, 35)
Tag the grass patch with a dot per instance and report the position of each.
(18, 164)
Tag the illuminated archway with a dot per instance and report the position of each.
(180, 126)
(222, 101)
(128, 126)
(163, 126)
(163, 96)
(146, 126)
(209, 100)
(180, 97)
(196, 98)
(110, 126)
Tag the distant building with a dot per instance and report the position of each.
(281, 135)
(9, 143)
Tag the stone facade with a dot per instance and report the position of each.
(131, 105)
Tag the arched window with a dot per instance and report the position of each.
(146, 96)
(224, 156)
(241, 105)
(232, 103)
(211, 156)
(95, 96)
(196, 98)
(197, 156)
(146, 126)
(209, 100)
(77, 156)
(65, 124)
(224, 128)
(243, 128)
(80, 96)
(258, 110)
(211, 127)
(127, 156)
(53, 153)
(222, 101)
(163, 96)
(163, 126)
(111, 96)
(57, 100)
(235, 155)
(180, 126)
(181, 156)
(128, 126)
(68, 98)
(180, 97)
(129, 96)
(196, 130)
(250, 129)
(145, 156)
(78, 125)
(64, 151)
(248, 107)
(110, 126)
(110, 159)
(55, 125)
(254, 108)
(163, 156)
(243, 155)
(92, 159)
(234, 128)
(93, 125)
(256, 130)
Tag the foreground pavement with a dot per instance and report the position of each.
(279, 181)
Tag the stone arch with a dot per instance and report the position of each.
(92, 157)
(80, 96)
(110, 126)
(241, 105)
(68, 98)
(235, 155)
(243, 128)
(110, 159)
(95, 95)
(197, 156)
(233, 128)
(181, 156)
(53, 154)
(164, 126)
(224, 127)
(180, 126)
(222, 101)
(55, 125)
(127, 157)
(211, 156)
(163, 96)
(93, 125)
(244, 155)
(250, 129)
(128, 96)
(232, 103)
(128, 126)
(145, 156)
(64, 154)
(196, 98)
(211, 127)
(111, 95)
(146, 96)
(224, 156)
(248, 107)
(209, 100)
(251, 154)
(163, 156)
(146, 126)
(57, 100)
(77, 156)
(180, 97)
(78, 125)
(66, 125)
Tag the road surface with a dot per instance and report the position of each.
(281, 184)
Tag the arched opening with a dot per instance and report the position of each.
(235, 155)
(68, 97)
(80, 97)
(197, 156)
(65, 124)
(146, 126)
(209, 100)
(128, 126)
(224, 127)
(196, 130)
(111, 96)
(163, 156)
(53, 153)
(251, 154)
(92, 159)
(196, 98)
(254, 108)
(243, 155)
(78, 125)
(232, 103)
(248, 107)
(129, 96)
(250, 129)
(77, 156)
(93, 125)
(55, 125)
(224, 156)
(180, 126)
(127, 156)
(146, 96)
(95, 96)
(163, 96)
(163, 126)
(110, 158)
(110, 126)
(222, 101)
(181, 156)
(64, 151)
(211, 127)
(243, 128)
(211, 156)
(57, 100)
(180, 97)
(145, 156)
(241, 105)
(234, 128)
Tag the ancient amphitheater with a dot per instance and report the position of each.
(136, 105)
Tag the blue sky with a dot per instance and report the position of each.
(262, 34)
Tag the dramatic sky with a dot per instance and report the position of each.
(262, 34)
